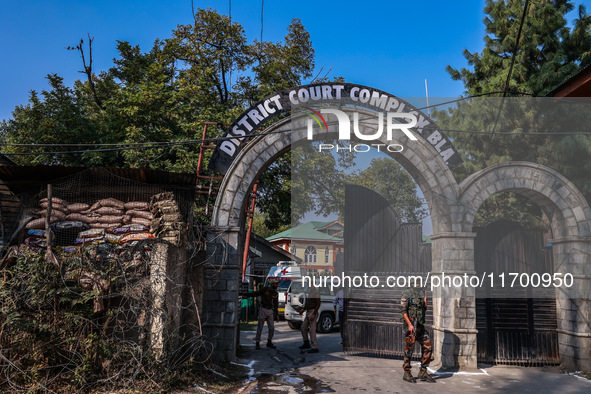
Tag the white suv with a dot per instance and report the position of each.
(296, 298)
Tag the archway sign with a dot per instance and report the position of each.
(398, 114)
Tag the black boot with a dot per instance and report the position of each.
(258, 346)
(423, 375)
(306, 345)
(408, 377)
(270, 344)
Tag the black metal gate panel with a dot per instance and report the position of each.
(378, 244)
(519, 331)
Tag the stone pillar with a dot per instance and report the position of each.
(572, 255)
(220, 299)
(167, 280)
(454, 308)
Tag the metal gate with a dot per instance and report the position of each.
(519, 331)
(378, 244)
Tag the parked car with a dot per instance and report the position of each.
(296, 298)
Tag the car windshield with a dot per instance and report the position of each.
(297, 287)
(283, 284)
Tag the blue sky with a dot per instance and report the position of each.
(389, 45)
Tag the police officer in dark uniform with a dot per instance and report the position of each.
(268, 312)
(413, 305)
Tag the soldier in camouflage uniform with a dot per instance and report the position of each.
(413, 307)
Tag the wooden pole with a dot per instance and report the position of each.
(48, 235)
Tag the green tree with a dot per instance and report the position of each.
(545, 54)
(205, 72)
(387, 177)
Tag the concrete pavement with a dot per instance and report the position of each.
(287, 370)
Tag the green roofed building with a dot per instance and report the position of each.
(318, 244)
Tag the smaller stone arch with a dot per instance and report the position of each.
(564, 204)
(570, 217)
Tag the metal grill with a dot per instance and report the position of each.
(515, 331)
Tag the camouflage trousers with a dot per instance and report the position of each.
(422, 336)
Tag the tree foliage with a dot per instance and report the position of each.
(547, 53)
(388, 178)
(204, 72)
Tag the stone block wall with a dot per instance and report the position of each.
(222, 274)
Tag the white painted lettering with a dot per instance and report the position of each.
(378, 100)
(228, 148)
(303, 95)
(244, 122)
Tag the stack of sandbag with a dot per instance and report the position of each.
(137, 212)
(167, 223)
(59, 212)
(106, 213)
(63, 225)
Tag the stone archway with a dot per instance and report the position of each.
(420, 159)
(452, 209)
(570, 217)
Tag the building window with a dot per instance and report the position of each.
(310, 255)
(326, 255)
(293, 250)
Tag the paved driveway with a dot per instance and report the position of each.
(287, 370)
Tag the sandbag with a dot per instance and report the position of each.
(136, 237)
(102, 225)
(161, 197)
(137, 205)
(36, 233)
(132, 228)
(87, 241)
(110, 219)
(77, 207)
(108, 202)
(54, 200)
(109, 211)
(80, 218)
(112, 238)
(143, 221)
(40, 223)
(140, 214)
(92, 233)
(54, 212)
(54, 207)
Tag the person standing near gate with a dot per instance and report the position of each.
(413, 305)
(268, 312)
(339, 306)
(311, 308)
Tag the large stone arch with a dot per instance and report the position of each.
(419, 158)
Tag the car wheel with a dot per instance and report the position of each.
(294, 325)
(326, 322)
